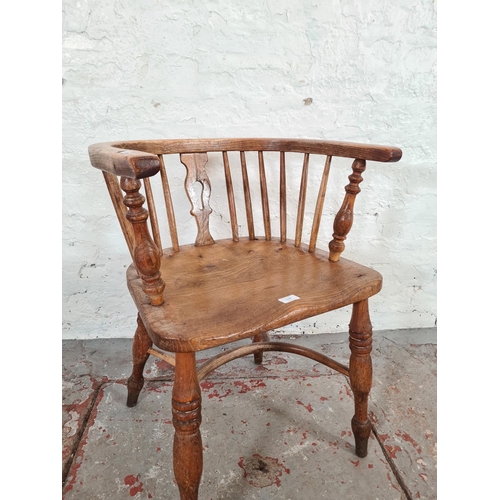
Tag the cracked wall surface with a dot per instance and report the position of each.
(361, 72)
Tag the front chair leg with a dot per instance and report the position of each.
(140, 355)
(360, 373)
(186, 411)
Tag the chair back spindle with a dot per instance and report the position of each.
(153, 217)
(230, 197)
(319, 205)
(282, 197)
(169, 206)
(116, 195)
(264, 197)
(302, 201)
(248, 199)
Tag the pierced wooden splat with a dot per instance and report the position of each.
(200, 209)
(344, 218)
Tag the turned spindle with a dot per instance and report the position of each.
(186, 412)
(147, 257)
(344, 219)
(360, 373)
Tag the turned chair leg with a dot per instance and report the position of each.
(140, 355)
(258, 356)
(186, 411)
(360, 373)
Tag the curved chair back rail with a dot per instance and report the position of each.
(138, 159)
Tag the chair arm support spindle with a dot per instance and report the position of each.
(344, 218)
(147, 256)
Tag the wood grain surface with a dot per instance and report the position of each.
(139, 158)
(230, 290)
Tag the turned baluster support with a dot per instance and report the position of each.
(147, 257)
(186, 412)
(360, 373)
(344, 218)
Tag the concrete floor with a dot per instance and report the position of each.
(276, 431)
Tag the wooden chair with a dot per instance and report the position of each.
(192, 297)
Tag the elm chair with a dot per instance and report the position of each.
(212, 292)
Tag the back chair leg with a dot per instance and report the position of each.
(258, 356)
(186, 411)
(140, 355)
(360, 373)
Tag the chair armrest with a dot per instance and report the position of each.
(130, 163)
(361, 151)
(370, 152)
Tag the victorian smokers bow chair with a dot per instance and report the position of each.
(195, 296)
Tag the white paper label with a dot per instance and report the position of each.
(288, 298)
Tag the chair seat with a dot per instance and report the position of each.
(219, 293)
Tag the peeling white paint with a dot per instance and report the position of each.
(367, 72)
(72, 424)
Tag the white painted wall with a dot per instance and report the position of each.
(151, 69)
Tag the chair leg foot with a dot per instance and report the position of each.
(361, 431)
(186, 411)
(133, 392)
(140, 355)
(258, 356)
(360, 374)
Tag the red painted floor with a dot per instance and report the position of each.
(279, 430)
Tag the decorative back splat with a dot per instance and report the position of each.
(195, 166)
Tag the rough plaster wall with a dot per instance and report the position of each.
(153, 69)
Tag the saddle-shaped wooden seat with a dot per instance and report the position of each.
(232, 290)
(194, 296)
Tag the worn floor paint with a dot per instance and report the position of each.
(281, 430)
